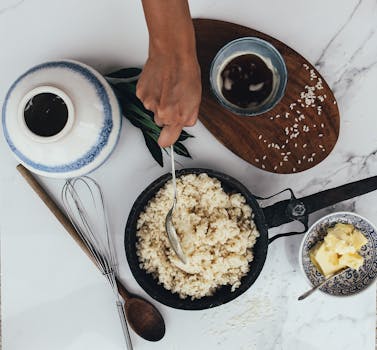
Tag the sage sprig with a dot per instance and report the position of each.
(124, 83)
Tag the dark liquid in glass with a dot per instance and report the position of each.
(46, 114)
(247, 81)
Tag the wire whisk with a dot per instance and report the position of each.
(84, 203)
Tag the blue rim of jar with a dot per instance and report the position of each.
(282, 85)
(104, 133)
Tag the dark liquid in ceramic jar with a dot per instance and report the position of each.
(247, 81)
(46, 114)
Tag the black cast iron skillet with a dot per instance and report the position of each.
(275, 215)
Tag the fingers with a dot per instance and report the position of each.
(169, 135)
(173, 98)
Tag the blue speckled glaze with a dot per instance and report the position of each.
(103, 136)
(351, 281)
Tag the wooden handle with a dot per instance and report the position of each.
(63, 219)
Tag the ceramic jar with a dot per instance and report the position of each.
(74, 145)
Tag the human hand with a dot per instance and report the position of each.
(170, 84)
(170, 87)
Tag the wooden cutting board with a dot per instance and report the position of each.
(297, 134)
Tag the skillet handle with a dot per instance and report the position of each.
(285, 211)
(299, 209)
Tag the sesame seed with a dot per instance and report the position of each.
(281, 163)
(282, 146)
(299, 161)
(304, 145)
(322, 125)
(263, 166)
(285, 158)
(275, 167)
(269, 145)
(320, 146)
(313, 154)
(295, 145)
(294, 170)
(320, 135)
(260, 137)
(304, 156)
(257, 160)
(264, 157)
(334, 102)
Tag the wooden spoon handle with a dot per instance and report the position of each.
(63, 219)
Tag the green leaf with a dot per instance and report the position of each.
(128, 88)
(125, 73)
(123, 83)
(147, 123)
(154, 148)
(181, 150)
(184, 136)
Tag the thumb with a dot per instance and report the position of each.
(169, 134)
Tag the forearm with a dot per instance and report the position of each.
(170, 26)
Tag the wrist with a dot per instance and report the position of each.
(179, 41)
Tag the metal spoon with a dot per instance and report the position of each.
(310, 291)
(170, 230)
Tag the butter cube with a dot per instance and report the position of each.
(354, 260)
(341, 230)
(339, 243)
(338, 249)
(358, 239)
(327, 260)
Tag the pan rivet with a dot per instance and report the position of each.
(298, 210)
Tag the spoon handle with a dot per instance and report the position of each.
(310, 291)
(123, 322)
(173, 174)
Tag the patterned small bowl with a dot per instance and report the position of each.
(350, 282)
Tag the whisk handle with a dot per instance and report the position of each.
(122, 290)
(123, 322)
(58, 213)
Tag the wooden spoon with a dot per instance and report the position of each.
(142, 316)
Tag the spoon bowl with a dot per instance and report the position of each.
(144, 319)
(142, 316)
(169, 227)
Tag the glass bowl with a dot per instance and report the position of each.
(271, 56)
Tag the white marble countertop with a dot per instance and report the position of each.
(52, 296)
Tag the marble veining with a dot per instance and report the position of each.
(11, 7)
